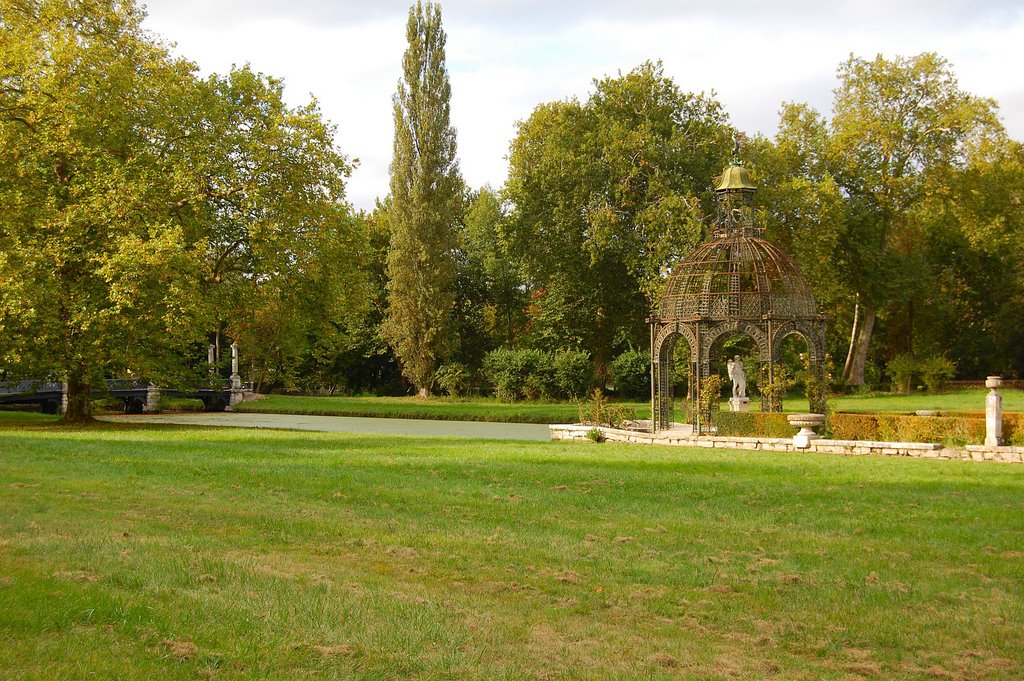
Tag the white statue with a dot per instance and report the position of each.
(737, 376)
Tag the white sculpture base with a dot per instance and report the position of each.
(802, 440)
(739, 404)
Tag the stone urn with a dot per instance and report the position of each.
(994, 382)
(806, 423)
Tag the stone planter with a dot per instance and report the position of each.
(806, 423)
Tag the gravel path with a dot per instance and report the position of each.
(350, 424)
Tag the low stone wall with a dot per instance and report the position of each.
(920, 450)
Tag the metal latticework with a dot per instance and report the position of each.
(737, 282)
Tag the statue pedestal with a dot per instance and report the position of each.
(739, 404)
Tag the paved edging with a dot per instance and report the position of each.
(920, 450)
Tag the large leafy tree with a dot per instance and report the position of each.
(899, 210)
(605, 196)
(142, 206)
(504, 299)
(426, 192)
(899, 127)
(98, 275)
(270, 205)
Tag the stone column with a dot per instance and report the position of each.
(993, 412)
(236, 381)
(152, 405)
(237, 395)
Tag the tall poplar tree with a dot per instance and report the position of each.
(425, 195)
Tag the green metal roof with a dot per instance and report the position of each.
(735, 177)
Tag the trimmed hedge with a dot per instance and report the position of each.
(753, 424)
(958, 429)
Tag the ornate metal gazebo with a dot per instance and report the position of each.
(735, 283)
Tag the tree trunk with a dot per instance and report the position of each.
(423, 392)
(79, 394)
(860, 338)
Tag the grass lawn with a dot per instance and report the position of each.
(183, 553)
(961, 400)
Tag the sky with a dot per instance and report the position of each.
(506, 57)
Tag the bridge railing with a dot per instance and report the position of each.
(29, 387)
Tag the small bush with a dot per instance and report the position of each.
(901, 370)
(630, 373)
(595, 435)
(598, 411)
(772, 392)
(573, 373)
(519, 374)
(707, 402)
(454, 379)
(936, 371)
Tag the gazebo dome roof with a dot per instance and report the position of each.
(735, 177)
(737, 276)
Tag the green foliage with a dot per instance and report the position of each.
(817, 385)
(519, 374)
(708, 400)
(426, 194)
(604, 199)
(527, 373)
(775, 390)
(630, 373)
(454, 378)
(936, 371)
(753, 424)
(573, 373)
(596, 435)
(901, 369)
(598, 411)
(504, 298)
(894, 208)
(948, 430)
(145, 207)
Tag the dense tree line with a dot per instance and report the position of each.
(147, 211)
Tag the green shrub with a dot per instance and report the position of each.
(950, 430)
(598, 411)
(707, 401)
(775, 390)
(630, 373)
(901, 370)
(595, 435)
(573, 373)
(753, 424)
(936, 371)
(518, 374)
(455, 379)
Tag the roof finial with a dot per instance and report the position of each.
(737, 139)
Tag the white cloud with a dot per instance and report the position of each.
(506, 57)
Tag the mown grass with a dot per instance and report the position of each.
(961, 400)
(184, 553)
